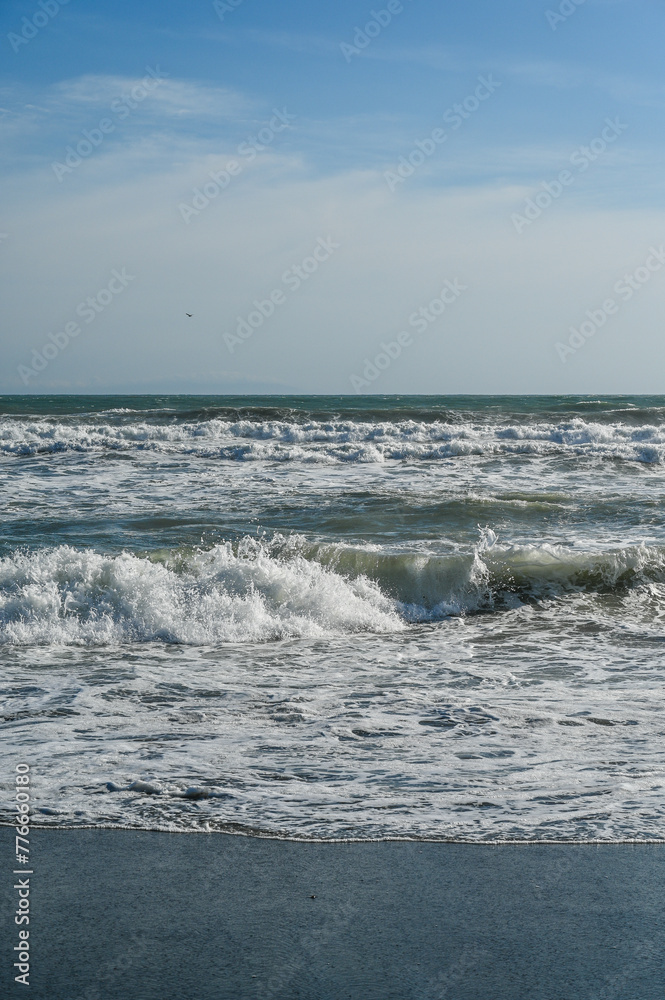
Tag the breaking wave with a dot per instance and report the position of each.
(331, 441)
(260, 591)
(65, 595)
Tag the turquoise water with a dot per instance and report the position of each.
(337, 617)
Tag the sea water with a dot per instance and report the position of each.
(336, 617)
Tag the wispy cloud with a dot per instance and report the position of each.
(37, 124)
(539, 72)
(173, 98)
(93, 93)
(290, 40)
(183, 121)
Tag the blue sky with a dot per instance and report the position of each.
(159, 98)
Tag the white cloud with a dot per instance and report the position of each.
(395, 253)
(172, 97)
(120, 208)
(32, 122)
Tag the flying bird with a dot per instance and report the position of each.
(188, 314)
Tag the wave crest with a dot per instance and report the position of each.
(68, 596)
(258, 590)
(332, 441)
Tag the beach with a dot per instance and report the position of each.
(332, 501)
(121, 914)
(335, 696)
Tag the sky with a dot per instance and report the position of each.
(415, 196)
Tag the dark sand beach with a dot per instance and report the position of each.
(138, 915)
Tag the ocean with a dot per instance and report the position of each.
(336, 618)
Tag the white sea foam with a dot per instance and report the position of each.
(335, 440)
(258, 591)
(65, 596)
(528, 731)
(374, 670)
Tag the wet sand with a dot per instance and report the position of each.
(137, 916)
